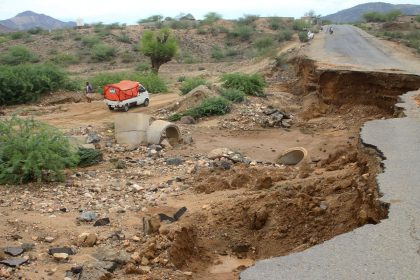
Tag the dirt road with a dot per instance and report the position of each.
(352, 48)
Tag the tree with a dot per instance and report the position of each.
(211, 17)
(154, 18)
(160, 46)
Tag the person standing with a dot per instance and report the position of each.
(88, 92)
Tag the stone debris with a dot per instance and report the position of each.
(87, 216)
(177, 215)
(14, 262)
(101, 222)
(66, 250)
(14, 251)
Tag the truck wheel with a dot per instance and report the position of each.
(110, 108)
(126, 107)
(146, 102)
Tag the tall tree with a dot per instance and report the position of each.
(160, 46)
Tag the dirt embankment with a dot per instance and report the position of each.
(355, 87)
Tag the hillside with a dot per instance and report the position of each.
(28, 20)
(4, 29)
(356, 13)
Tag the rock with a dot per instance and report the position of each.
(187, 120)
(93, 137)
(27, 246)
(155, 147)
(187, 273)
(136, 238)
(101, 222)
(187, 139)
(14, 262)
(13, 251)
(323, 206)
(109, 266)
(4, 274)
(174, 161)
(219, 153)
(60, 256)
(49, 239)
(94, 271)
(106, 254)
(151, 225)
(144, 261)
(87, 239)
(270, 111)
(132, 269)
(66, 250)
(241, 248)
(87, 216)
(224, 164)
(145, 269)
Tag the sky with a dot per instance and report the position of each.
(130, 11)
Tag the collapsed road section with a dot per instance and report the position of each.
(388, 250)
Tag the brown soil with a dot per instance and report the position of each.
(235, 215)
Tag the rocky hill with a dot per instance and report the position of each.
(4, 29)
(356, 13)
(28, 20)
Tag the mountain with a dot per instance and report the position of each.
(4, 29)
(356, 13)
(28, 20)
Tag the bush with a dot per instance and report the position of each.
(211, 106)
(217, 53)
(17, 55)
(191, 83)
(65, 59)
(180, 24)
(18, 35)
(124, 38)
(249, 84)
(102, 52)
(57, 35)
(26, 83)
(153, 18)
(242, 32)
(88, 157)
(143, 67)
(127, 57)
(90, 41)
(181, 79)
(248, 19)
(32, 151)
(303, 36)
(201, 31)
(153, 83)
(284, 35)
(264, 43)
(418, 18)
(36, 30)
(211, 18)
(301, 25)
(233, 95)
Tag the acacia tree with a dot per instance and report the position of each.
(160, 46)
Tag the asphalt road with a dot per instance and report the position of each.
(390, 249)
(351, 47)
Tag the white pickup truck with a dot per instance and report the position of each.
(125, 94)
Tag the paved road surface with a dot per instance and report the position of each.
(351, 47)
(390, 249)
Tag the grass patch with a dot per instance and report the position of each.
(249, 84)
(101, 52)
(233, 95)
(211, 106)
(191, 83)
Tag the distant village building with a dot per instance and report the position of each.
(406, 18)
(79, 22)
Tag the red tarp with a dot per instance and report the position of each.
(121, 91)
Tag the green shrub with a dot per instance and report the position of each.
(88, 157)
(249, 84)
(90, 41)
(65, 59)
(143, 67)
(153, 18)
(153, 83)
(18, 35)
(36, 30)
(32, 151)
(300, 25)
(191, 83)
(25, 83)
(281, 61)
(418, 18)
(211, 106)
(264, 43)
(211, 18)
(114, 25)
(102, 52)
(57, 35)
(242, 32)
(180, 24)
(124, 38)
(201, 31)
(233, 95)
(17, 55)
(274, 23)
(181, 79)
(248, 19)
(284, 35)
(303, 36)
(127, 57)
(217, 53)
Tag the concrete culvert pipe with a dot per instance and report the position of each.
(293, 156)
(160, 130)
